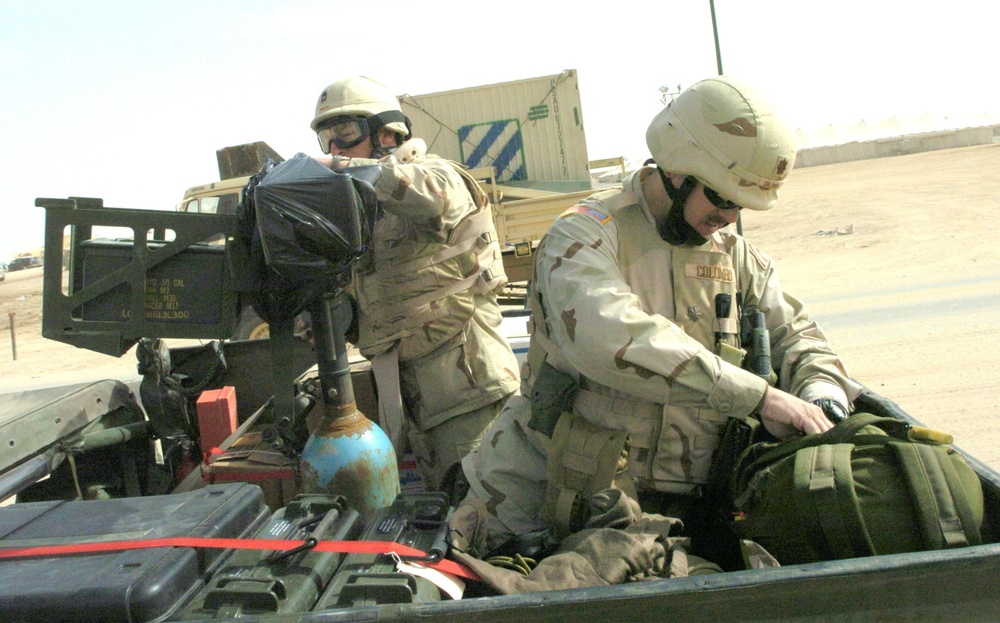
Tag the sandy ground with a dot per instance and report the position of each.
(897, 258)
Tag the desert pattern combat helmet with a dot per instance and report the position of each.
(727, 136)
(363, 98)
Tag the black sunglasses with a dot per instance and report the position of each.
(723, 204)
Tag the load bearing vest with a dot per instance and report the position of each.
(420, 294)
(671, 447)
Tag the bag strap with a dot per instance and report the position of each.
(845, 431)
(824, 491)
(938, 496)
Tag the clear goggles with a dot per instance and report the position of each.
(344, 132)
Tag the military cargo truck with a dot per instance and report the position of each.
(110, 463)
(99, 443)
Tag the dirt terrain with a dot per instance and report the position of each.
(896, 257)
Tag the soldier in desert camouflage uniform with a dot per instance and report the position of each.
(428, 316)
(623, 311)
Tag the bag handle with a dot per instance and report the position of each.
(843, 432)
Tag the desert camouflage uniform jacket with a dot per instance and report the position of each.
(605, 309)
(452, 359)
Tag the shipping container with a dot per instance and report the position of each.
(530, 131)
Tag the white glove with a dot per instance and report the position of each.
(410, 150)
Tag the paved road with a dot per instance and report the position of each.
(932, 347)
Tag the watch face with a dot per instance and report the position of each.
(834, 411)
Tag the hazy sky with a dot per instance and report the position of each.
(129, 100)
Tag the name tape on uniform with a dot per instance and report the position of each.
(709, 273)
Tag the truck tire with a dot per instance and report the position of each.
(251, 326)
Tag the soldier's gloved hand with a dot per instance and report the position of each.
(833, 410)
(410, 150)
(784, 415)
(612, 508)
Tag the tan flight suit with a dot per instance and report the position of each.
(427, 304)
(632, 319)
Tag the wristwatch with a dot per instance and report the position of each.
(833, 410)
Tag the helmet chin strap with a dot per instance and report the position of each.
(378, 151)
(674, 229)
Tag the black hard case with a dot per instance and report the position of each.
(131, 586)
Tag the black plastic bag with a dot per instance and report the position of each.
(301, 228)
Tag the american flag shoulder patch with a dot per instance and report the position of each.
(593, 213)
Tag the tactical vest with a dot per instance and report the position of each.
(671, 447)
(419, 292)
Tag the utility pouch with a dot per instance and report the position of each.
(757, 340)
(551, 395)
(584, 458)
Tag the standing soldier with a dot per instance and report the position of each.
(635, 310)
(428, 316)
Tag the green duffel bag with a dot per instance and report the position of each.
(871, 485)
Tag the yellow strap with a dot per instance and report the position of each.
(921, 433)
(76, 477)
(730, 354)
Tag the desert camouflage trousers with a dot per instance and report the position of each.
(507, 477)
(439, 448)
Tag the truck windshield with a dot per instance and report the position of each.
(224, 204)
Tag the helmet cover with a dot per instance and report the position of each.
(727, 136)
(359, 96)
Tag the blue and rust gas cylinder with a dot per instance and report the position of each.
(350, 455)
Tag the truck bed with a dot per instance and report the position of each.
(953, 585)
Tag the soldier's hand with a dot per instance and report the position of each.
(784, 415)
(333, 163)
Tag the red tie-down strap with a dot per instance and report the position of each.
(338, 547)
